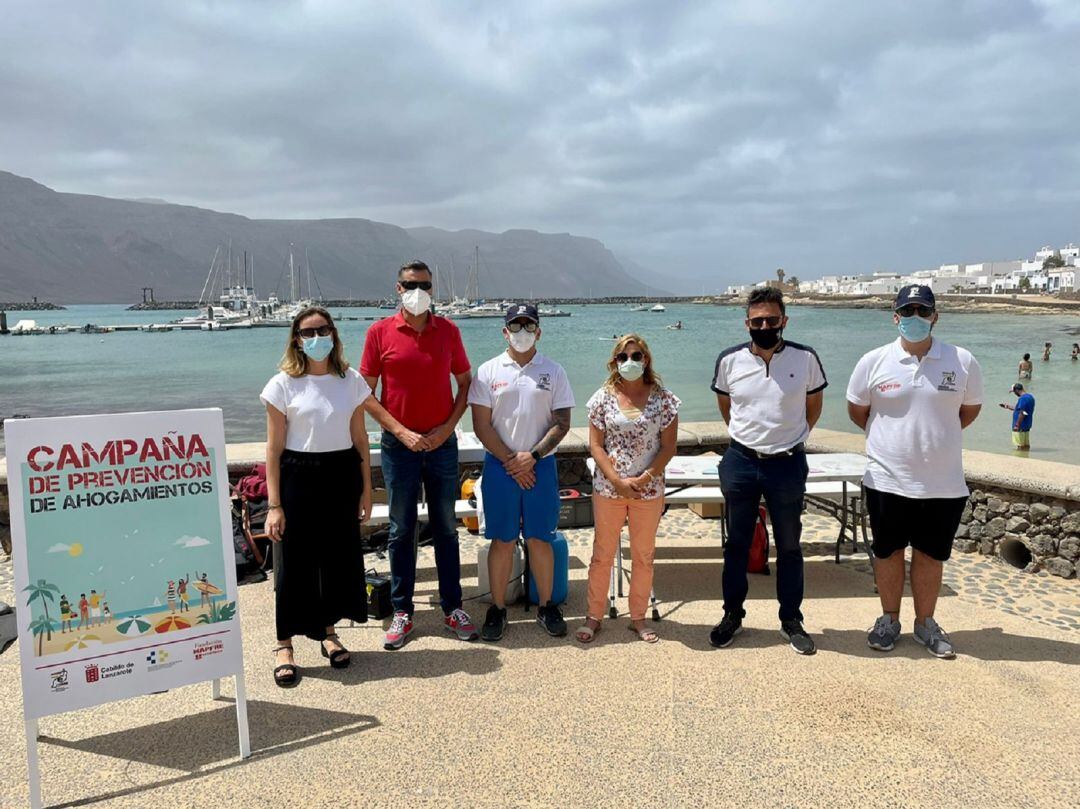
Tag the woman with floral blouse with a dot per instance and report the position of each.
(633, 421)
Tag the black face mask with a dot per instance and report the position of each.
(765, 339)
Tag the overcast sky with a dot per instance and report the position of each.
(713, 141)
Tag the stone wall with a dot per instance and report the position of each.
(1029, 531)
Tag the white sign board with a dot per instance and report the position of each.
(124, 568)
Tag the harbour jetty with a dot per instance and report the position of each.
(33, 306)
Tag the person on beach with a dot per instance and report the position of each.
(633, 426)
(1023, 413)
(106, 612)
(1046, 351)
(170, 596)
(521, 403)
(95, 607)
(1075, 352)
(769, 392)
(1023, 370)
(415, 353)
(65, 614)
(913, 397)
(182, 592)
(84, 611)
(318, 478)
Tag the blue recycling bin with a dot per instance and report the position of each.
(560, 585)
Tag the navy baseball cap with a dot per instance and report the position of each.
(519, 310)
(918, 294)
(1016, 387)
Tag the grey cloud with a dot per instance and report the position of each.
(711, 140)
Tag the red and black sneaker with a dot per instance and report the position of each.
(400, 629)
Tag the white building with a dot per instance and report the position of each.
(1046, 252)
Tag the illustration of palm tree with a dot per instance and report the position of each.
(42, 590)
(40, 626)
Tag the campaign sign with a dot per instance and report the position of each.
(124, 571)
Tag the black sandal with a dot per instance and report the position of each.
(287, 675)
(340, 658)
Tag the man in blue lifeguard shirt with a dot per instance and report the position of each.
(1022, 417)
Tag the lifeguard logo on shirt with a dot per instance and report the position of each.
(543, 382)
(948, 381)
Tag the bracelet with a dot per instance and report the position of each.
(272, 507)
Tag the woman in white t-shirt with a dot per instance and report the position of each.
(633, 426)
(318, 475)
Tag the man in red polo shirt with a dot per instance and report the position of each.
(414, 354)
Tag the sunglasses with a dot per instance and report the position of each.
(770, 322)
(424, 285)
(514, 327)
(622, 356)
(914, 309)
(320, 331)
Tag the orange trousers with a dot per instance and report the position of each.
(610, 514)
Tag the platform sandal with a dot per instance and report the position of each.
(340, 658)
(287, 675)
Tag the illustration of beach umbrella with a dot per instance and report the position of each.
(171, 623)
(134, 625)
(82, 642)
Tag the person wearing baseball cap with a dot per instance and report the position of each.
(521, 403)
(1023, 411)
(913, 397)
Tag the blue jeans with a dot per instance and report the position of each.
(403, 471)
(744, 479)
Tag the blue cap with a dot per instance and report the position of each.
(918, 294)
(519, 310)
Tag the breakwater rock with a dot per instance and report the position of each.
(33, 306)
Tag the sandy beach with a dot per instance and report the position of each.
(109, 632)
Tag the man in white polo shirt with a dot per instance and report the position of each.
(769, 392)
(521, 403)
(913, 397)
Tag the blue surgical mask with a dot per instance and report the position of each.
(915, 329)
(318, 348)
(631, 371)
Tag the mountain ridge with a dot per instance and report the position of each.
(86, 248)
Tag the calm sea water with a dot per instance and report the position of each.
(50, 375)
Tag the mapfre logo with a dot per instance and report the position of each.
(885, 387)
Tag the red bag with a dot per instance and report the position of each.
(759, 546)
(253, 487)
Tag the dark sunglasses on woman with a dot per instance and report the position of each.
(424, 285)
(914, 309)
(622, 356)
(321, 331)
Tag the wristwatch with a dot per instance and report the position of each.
(536, 455)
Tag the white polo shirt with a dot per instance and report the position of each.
(521, 398)
(913, 435)
(768, 402)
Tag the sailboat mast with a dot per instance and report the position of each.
(294, 281)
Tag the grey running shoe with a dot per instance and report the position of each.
(793, 633)
(935, 640)
(884, 634)
(459, 624)
(400, 629)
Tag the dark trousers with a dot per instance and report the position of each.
(403, 472)
(744, 480)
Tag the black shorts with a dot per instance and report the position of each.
(928, 525)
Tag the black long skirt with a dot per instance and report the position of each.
(319, 567)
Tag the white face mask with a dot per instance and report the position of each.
(522, 341)
(416, 301)
(631, 371)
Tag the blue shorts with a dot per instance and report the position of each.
(511, 512)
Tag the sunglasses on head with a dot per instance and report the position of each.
(915, 309)
(424, 285)
(320, 331)
(636, 356)
(515, 326)
(770, 322)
